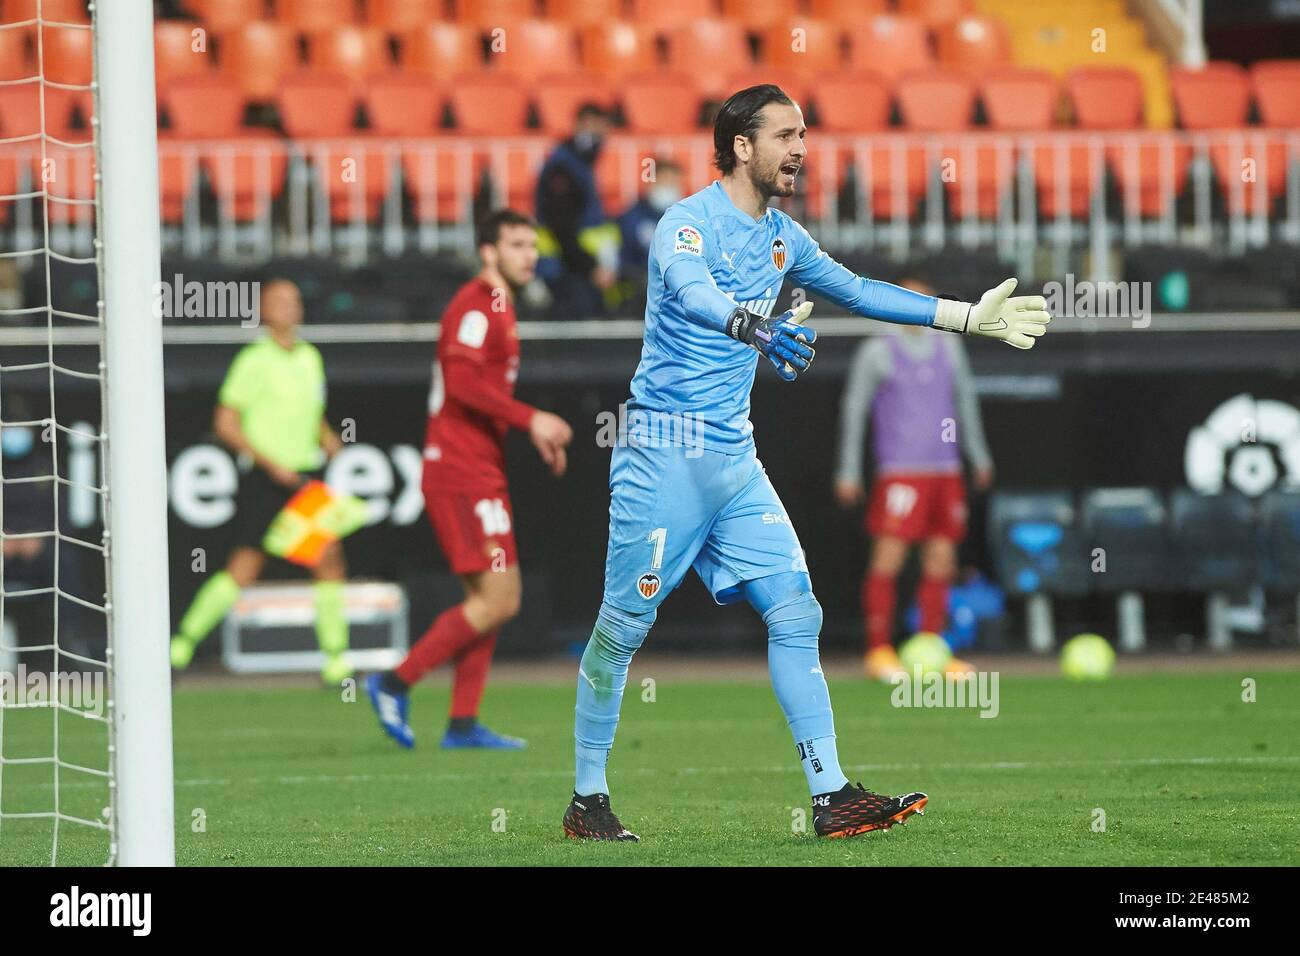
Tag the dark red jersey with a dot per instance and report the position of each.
(471, 401)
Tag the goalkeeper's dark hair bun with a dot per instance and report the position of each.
(739, 116)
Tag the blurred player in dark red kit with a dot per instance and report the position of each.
(471, 409)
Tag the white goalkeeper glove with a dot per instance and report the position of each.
(1015, 320)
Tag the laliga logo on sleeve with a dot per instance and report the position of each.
(689, 240)
(778, 254)
(648, 585)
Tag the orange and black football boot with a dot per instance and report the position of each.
(852, 810)
(590, 818)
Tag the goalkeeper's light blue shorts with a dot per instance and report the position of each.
(673, 508)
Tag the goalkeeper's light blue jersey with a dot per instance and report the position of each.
(707, 258)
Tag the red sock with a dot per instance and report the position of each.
(444, 639)
(932, 595)
(471, 675)
(878, 595)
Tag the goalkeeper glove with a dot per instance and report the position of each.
(783, 340)
(1015, 320)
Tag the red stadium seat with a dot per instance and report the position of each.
(1214, 97)
(20, 111)
(403, 103)
(804, 46)
(486, 15)
(52, 11)
(356, 173)
(247, 175)
(662, 17)
(1072, 166)
(316, 104)
(795, 85)
(618, 49)
(583, 13)
(894, 177)
(17, 59)
(68, 55)
(706, 52)
(989, 170)
(975, 44)
(1277, 91)
(401, 16)
(846, 12)
(852, 102)
(659, 103)
(209, 105)
(174, 55)
(442, 50)
(1242, 165)
(220, 16)
(889, 45)
(513, 170)
(311, 16)
(534, 48)
(936, 13)
(558, 97)
(758, 14)
(353, 52)
(441, 182)
(258, 54)
(489, 105)
(936, 100)
(1143, 170)
(1105, 97)
(1019, 99)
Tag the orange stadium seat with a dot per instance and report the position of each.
(220, 16)
(558, 97)
(889, 45)
(1141, 169)
(1214, 97)
(758, 14)
(852, 102)
(316, 104)
(247, 177)
(401, 16)
(489, 105)
(1018, 99)
(20, 111)
(818, 47)
(403, 103)
(67, 174)
(659, 103)
(487, 14)
(441, 183)
(662, 17)
(52, 11)
(174, 55)
(618, 48)
(205, 105)
(8, 183)
(583, 13)
(443, 50)
(936, 100)
(356, 173)
(67, 55)
(1073, 165)
(17, 56)
(846, 12)
(974, 44)
(1105, 97)
(177, 175)
(992, 170)
(513, 171)
(706, 52)
(353, 52)
(535, 47)
(310, 16)
(936, 13)
(795, 85)
(1277, 91)
(258, 54)
(1257, 152)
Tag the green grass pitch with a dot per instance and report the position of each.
(1185, 772)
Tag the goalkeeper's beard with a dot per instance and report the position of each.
(767, 180)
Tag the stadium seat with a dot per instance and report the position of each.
(1065, 178)
(174, 55)
(618, 49)
(401, 16)
(315, 104)
(8, 184)
(659, 103)
(706, 52)
(486, 15)
(846, 12)
(357, 175)
(820, 46)
(178, 174)
(52, 11)
(67, 55)
(558, 97)
(209, 105)
(258, 54)
(936, 100)
(583, 13)
(974, 44)
(889, 45)
(982, 177)
(536, 47)
(795, 85)
(350, 51)
(1105, 97)
(936, 13)
(852, 102)
(247, 176)
(1243, 163)
(220, 16)
(1150, 175)
(758, 14)
(1017, 99)
(489, 105)
(67, 174)
(1279, 529)
(312, 16)
(512, 170)
(20, 111)
(1215, 541)
(441, 183)
(1277, 91)
(1129, 524)
(403, 103)
(663, 17)
(442, 50)
(1214, 97)
(17, 59)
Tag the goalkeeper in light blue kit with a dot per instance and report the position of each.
(717, 265)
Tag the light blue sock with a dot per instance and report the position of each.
(794, 621)
(602, 675)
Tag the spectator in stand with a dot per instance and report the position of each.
(637, 224)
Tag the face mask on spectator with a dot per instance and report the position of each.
(16, 441)
(587, 145)
(660, 198)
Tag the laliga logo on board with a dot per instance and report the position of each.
(1241, 444)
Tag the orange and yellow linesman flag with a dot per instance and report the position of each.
(315, 517)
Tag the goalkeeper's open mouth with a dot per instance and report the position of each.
(789, 171)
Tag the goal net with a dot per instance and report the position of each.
(85, 719)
